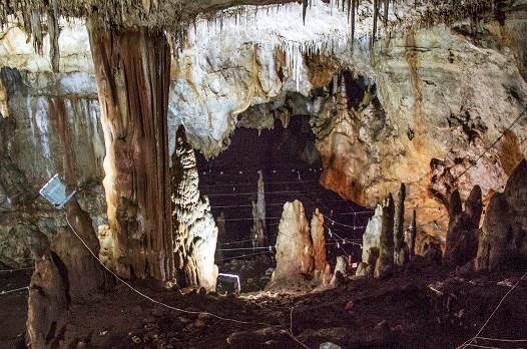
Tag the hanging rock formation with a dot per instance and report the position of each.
(463, 228)
(294, 249)
(194, 232)
(504, 232)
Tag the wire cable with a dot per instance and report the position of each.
(470, 341)
(150, 298)
(4, 292)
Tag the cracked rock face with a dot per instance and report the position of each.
(420, 108)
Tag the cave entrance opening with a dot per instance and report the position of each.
(290, 167)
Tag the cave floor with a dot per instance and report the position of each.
(422, 306)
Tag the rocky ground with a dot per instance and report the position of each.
(422, 306)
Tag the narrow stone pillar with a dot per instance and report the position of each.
(319, 241)
(398, 228)
(409, 237)
(386, 248)
(195, 233)
(132, 69)
(259, 230)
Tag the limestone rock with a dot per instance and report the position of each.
(319, 241)
(463, 228)
(85, 274)
(385, 261)
(294, 249)
(48, 297)
(194, 232)
(341, 271)
(398, 227)
(504, 231)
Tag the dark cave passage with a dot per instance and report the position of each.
(291, 170)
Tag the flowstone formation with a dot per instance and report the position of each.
(194, 229)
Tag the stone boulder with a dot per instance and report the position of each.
(504, 231)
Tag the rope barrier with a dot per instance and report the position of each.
(4, 292)
(150, 298)
(470, 341)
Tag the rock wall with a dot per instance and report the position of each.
(419, 108)
(31, 153)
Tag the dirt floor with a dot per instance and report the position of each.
(422, 306)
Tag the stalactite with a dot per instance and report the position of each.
(36, 31)
(53, 31)
(375, 17)
(353, 13)
(304, 10)
(386, 13)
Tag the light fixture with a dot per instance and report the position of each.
(55, 192)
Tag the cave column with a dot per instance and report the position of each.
(132, 70)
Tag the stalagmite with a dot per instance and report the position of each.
(398, 228)
(409, 237)
(463, 228)
(222, 231)
(48, 299)
(341, 271)
(132, 69)
(319, 242)
(386, 247)
(195, 231)
(294, 249)
(259, 234)
(504, 233)
(370, 243)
